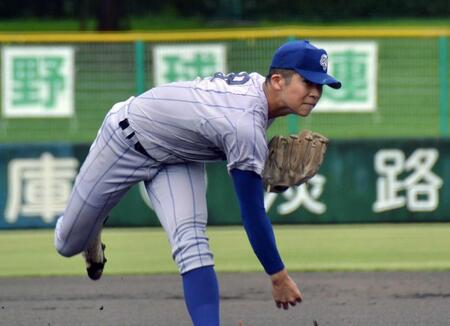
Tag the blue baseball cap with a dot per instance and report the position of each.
(307, 60)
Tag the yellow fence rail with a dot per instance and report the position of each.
(226, 34)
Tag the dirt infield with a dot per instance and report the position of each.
(381, 298)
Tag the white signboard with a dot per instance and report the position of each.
(38, 81)
(355, 65)
(186, 62)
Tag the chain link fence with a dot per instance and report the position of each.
(395, 86)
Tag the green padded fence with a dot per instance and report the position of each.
(412, 75)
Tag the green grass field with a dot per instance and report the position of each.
(304, 248)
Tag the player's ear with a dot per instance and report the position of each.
(277, 81)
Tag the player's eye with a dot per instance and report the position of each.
(307, 82)
(312, 85)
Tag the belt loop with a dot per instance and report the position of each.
(141, 149)
(124, 124)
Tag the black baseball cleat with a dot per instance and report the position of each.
(95, 259)
(95, 269)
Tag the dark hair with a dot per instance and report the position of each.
(285, 73)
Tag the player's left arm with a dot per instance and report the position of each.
(249, 189)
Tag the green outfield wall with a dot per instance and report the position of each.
(58, 87)
(361, 181)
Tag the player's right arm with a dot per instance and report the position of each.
(249, 190)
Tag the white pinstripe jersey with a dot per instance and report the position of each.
(224, 117)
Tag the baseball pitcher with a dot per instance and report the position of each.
(165, 136)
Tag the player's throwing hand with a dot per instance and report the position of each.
(284, 290)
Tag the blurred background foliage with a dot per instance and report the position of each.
(142, 14)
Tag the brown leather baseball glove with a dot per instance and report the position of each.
(293, 160)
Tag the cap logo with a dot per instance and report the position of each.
(324, 62)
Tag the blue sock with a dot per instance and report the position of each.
(201, 294)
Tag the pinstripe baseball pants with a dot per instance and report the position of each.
(113, 165)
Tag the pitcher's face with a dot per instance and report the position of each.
(300, 95)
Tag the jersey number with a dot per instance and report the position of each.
(232, 78)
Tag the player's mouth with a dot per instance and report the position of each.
(310, 105)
